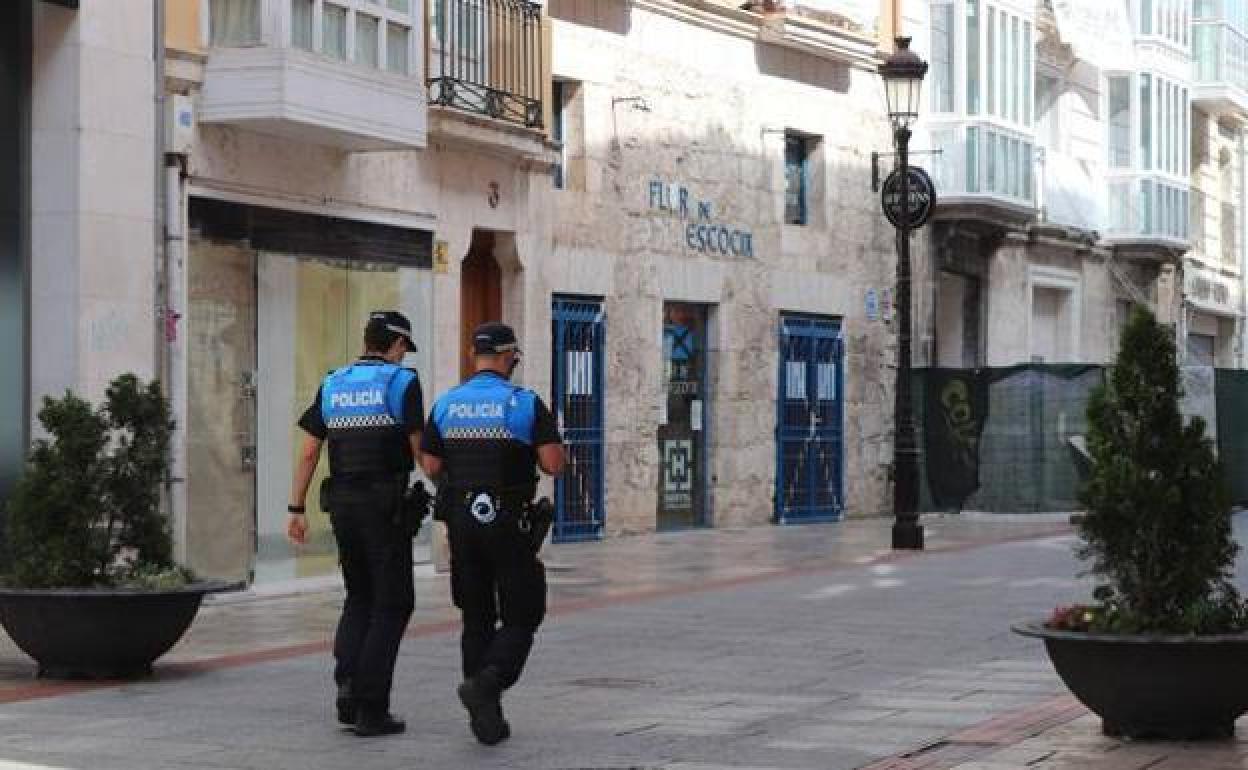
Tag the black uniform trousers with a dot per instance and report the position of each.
(495, 576)
(376, 559)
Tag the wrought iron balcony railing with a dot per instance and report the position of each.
(485, 57)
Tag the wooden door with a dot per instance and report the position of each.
(480, 294)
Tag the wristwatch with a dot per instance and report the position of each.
(296, 509)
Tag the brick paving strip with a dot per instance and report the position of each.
(40, 689)
(987, 737)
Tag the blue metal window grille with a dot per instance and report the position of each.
(578, 377)
(810, 421)
(795, 161)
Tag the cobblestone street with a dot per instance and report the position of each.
(800, 647)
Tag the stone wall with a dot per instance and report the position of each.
(717, 106)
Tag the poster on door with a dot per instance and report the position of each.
(678, 465)
(683, 416)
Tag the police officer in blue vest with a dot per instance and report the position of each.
(370, 412)
(484, 441)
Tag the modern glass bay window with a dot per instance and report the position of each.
(1220, 42)
(1149, 136)
(375, 34)
(1169, 20)
(981, 97)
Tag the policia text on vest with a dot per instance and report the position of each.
(370, 415)
(484, 442)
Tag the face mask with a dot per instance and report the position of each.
(515, 362)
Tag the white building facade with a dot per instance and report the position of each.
(79, 241)
(1074, 178)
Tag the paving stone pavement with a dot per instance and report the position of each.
(757, 649)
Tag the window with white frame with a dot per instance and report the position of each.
(234, 23)
(376, 34)
(982, 60)
(1149, 155)
(1120, 121)
(1048, 115)
(1054, 319)
(943, 57)
(458, 41)
(1006, 44)
(972, 57)
(1153, 113)
(982, 65)
(1168, 19)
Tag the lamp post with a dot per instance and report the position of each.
(903, 79)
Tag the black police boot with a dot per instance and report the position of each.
(481, 695)
(376, 720)
(346, 705)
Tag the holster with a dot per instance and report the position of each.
(414, 507)
(326, 494)
(536, 521)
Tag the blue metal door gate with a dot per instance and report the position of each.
(577, 377)
(809, 421)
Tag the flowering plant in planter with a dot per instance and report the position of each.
(1157, 531)
(87, 511)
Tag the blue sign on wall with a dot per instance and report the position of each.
(702, 233)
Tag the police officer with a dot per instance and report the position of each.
(371, 414)
(485, 440)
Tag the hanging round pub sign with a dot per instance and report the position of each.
(922, 194)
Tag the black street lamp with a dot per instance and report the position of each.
(903, 80)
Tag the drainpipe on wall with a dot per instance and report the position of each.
(176, 372)
(163, 217)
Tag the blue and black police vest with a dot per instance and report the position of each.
(362, 406)
(482, 423)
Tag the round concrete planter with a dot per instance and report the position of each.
(1153, 686)
(99, 632)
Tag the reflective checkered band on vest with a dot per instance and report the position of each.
(361, 421)
(483, 433)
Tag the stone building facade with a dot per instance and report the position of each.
(669, 199)
(1066, 131)
(672, 212)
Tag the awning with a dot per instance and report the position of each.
(1099, 32)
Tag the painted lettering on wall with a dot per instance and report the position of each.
(702, 233)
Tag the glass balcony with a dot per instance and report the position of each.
(1220, 54)
(983, 162)
(1148, 208)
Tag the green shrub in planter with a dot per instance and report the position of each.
(1157, 532)
(87, 510)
